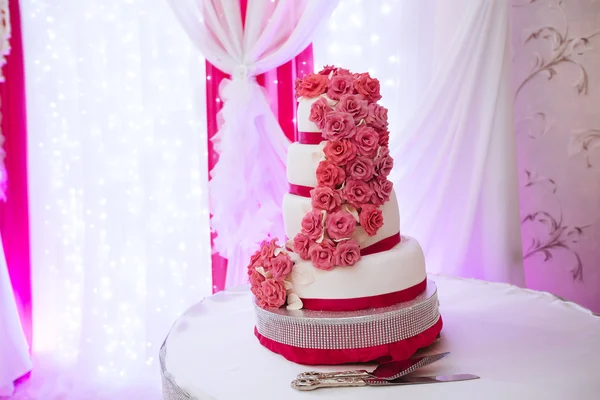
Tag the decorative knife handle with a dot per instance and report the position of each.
(312, 384)
(329, 375)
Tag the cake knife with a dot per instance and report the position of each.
(312, 384)
(388, 371)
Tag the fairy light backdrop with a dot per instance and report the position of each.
(117, 161)
(392, 40)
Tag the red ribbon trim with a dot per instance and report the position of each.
(362, 303)
(310, 137)
(299, 190)
(383, 245)
(384, 353)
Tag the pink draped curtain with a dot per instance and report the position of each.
(14, 216)
(279, 84)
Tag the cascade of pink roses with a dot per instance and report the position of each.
(352, 180)
(268, 272)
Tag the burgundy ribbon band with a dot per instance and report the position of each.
(299, 190)
(362, 303)
(310, 137)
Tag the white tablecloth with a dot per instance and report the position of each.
(524, 344)
(14, 354)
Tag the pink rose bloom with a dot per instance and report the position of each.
(325, 198)
(354, 105)
(340, 85)
(330, 175)
(311, 85)
(321, 255)
(371, 219)
(384, 138)
(377, 117)
(272, 294)
(367, 87)
(340, 225)
(281, 266)
(338, 125)
(327, 70)
(255, 261)
(312, 225)
(357, 192)
(343, 71)
(301, 245)
(366, 141)
(347, 253)
(361, 168)
(267, 250)
(384, 162)
(318, 111)
(340, 152)
(256, 280)
(382, 190)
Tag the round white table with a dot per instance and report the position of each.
(523, 344)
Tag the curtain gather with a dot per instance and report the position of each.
(245, 192)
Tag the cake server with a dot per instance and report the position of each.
(354, 381)
(388, 371)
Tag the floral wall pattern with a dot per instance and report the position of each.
(556, 79)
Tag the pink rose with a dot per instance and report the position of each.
(354, 105)
(281, 266)
(340, 152)
(318, 111)
(272, 294)
(382, 190)
(338, 125)
(384, 138)
(343, 71)
(325, 198)
(384, 162)
(366, 141)
(311, 85)
(361, 168)
(312, 224)
(367, 87)
(321, 255)
(377, 117)
(340, 225)
(357, 192)
(330, 175)
(301, 245)
(255, 261)
(340, 85)
(371, 219)
(347, 253)
(327, 70)
(267, 250)
(256, 280)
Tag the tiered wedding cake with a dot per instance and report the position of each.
(347, 286)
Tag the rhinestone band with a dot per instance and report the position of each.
(350, 329)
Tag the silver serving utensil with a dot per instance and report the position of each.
(312, 384)
(388, 371)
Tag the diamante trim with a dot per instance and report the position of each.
(350, 329)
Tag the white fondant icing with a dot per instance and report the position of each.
(302, 163)
(380, 273)
(296, 207)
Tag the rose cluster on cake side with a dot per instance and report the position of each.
(352, 184)
(269, 271)
(352, 179)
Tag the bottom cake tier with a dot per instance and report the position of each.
(371, 335)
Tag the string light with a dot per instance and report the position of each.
(120, 237)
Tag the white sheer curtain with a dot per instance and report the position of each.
(117, 164)
(444, 68)
(248, 182)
